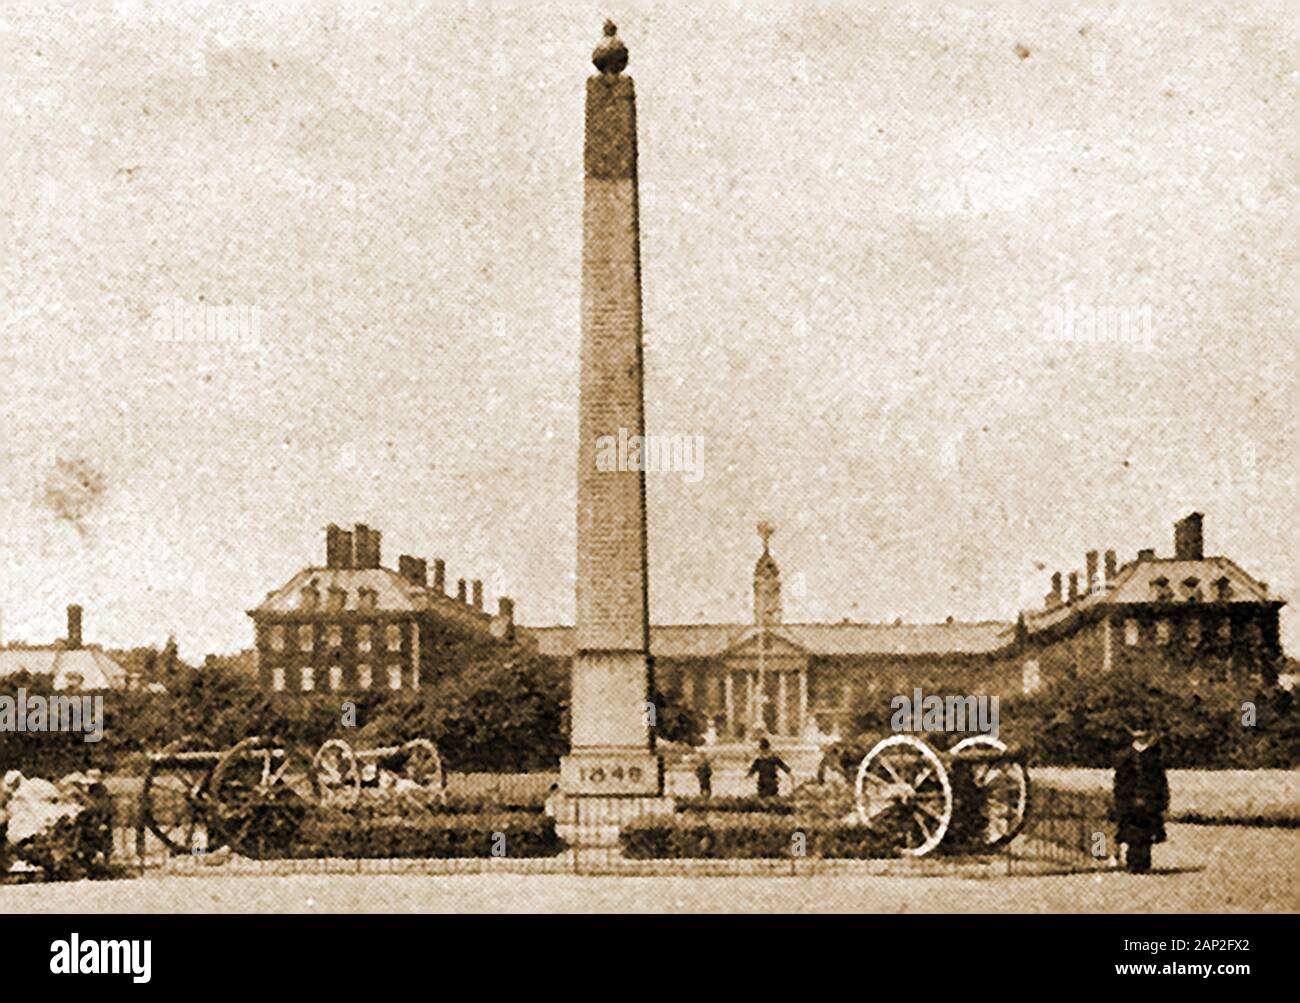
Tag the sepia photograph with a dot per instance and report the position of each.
(762, 457)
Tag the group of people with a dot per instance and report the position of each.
(1140, 793)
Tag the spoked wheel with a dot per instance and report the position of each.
(336, 775)
(1004, 784)
(260, 792)
(423, 765)
(173, 801)
(903, 789)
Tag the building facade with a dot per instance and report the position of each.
(1188, 617)
(69, 664)
(354, 625)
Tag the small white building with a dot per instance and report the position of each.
(69, 664)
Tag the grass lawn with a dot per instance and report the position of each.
(1246, 797)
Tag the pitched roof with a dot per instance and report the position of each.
(702, 640)
(1136, 583)
(94, 668)
(393, 594)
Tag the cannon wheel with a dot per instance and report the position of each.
(424, 765)
(902, 779)
(336, 774)
(257, 795)
(173, 799)
(1006, 788)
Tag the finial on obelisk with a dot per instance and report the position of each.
(765, 531)
(610, 56)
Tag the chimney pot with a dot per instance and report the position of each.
(333, 546)
(1111, 566)
(478, 594)
(1056, 588)
(460, 589)
(1074, 586)
(1090, 562)
(439, 576)
(74, 626)
(506, 616)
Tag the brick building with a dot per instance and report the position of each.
(1188, 616)
(354, 625)
(69, 664)
(807, 679)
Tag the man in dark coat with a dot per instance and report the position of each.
(1141, 800)
(768, 766)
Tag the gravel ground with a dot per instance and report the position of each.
(1202, 869)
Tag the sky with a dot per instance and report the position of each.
(873, 237)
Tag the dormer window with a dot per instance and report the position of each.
(367, 599)
(309, 597)
(1223, 589)
(1160, 590)
(1192, 589)
(338, 599)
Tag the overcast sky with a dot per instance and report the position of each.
(858, 221)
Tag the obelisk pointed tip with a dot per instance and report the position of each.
(610, 55)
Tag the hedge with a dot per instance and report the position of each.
(745, 835)
(336, 834)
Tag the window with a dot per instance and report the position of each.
(1031, 681)
(1160, 590)
(277, 637)
(1131, 632)
(393, 636)
(334, 636)
(415, 678)
(364, 676)
(1193, 629)
(306, 637)
(366, 598)
(1225, 629)
(308, 678)
(309, 598)
(395, 677)
(1223, 589)
(337, 599)
(336, 677)
(1162, 632)
(363, 637)
(277, 679)
(1192, 589)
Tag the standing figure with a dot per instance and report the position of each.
(704, 775)
(767, 766)
(1141, 800)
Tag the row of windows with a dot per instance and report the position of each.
(304, 637)
(334, 679)
(1192, 632)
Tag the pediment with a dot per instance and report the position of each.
(779, 645)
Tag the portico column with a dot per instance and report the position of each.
(729, 698)
(780, 704)
(803, 699)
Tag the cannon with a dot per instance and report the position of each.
(249, 797)
(341, 773)
(907, 789)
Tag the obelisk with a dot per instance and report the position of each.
(612, 735)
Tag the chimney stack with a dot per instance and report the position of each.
(365, 546)
(74, 627)
(478, 594)
(413, 569)
(333, 546)
(1112, 568)
(460, 590)
(440, 576)
(1146, 554)
(1090, 560)
(505, 625)
(1188, 542)
(1056, 588)
(1074, 586)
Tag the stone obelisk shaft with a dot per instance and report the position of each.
(612, 733)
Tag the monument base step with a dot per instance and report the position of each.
(587, 821)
